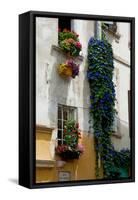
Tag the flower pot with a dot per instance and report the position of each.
(70, 155)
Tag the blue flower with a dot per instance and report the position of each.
(105, 107)
(91, 107)
(97, 74)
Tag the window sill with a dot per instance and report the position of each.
(114, 34)
(45, 163)
(116, 135)
(58, 49)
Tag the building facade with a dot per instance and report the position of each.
(58, 99)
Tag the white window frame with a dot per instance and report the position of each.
(69, 116)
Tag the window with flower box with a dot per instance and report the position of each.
(64, 113)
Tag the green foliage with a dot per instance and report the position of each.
(102, 110)
(66, 34)
(71, 134)
(69, 42)
(71, 149)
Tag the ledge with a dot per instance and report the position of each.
(116, 35)
(57, 48)
(44, 129)
(121, 60)
(116, 135)
(45, 163)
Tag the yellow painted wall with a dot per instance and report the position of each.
(80, 169)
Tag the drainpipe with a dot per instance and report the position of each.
(98, 35)
(98, 30)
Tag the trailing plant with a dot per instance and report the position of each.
(69, 42)
(70, 149)
(122, 158)
(69, 69)
(102, 110)
(66, 34)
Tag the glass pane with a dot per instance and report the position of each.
(64, 122)
(65, 114)
(59, 124)
(59, 137)
(59, 113)
(71, 114)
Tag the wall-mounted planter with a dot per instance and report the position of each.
(70, 155)
(69, 69)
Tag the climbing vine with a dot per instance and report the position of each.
(102, 110)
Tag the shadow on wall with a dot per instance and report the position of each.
(58, 88)
(86, 99)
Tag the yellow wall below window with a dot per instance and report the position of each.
(80, 169)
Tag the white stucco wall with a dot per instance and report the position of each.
(121, 49)
(52, 89)
(46, 34)
(123, 85)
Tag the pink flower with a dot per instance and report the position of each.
(81, 148)
(78, 45)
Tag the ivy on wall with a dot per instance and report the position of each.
(102, 110)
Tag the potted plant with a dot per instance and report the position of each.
(69, 43)
(71, 149)
(69, 69)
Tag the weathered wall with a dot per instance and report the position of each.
(51, 89)
(81, 169)
(122, 50)
(123, 85)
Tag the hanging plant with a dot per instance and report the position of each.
(68, 69)
(69, 43)
(71, 149)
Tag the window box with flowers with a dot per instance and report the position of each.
(70, 47)
(70, 147)
(69, 43)
(69, 69)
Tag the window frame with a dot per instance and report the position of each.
(75, 117)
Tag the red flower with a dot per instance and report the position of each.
(78, 45)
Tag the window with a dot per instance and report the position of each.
(110, 26)
(64, 113)
(64, 23)
(115, 125)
